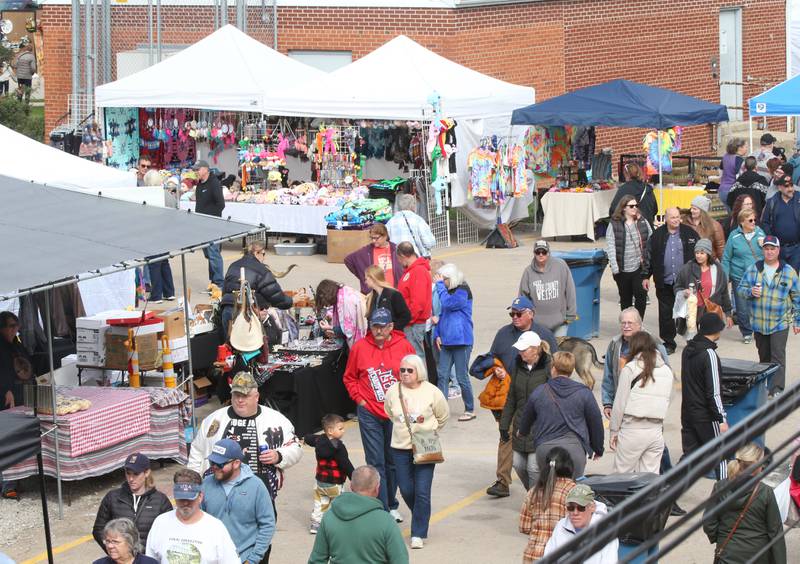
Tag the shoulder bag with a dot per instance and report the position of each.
(721, 547)
(710, 306)
(247, 333)
(422, 250)
(426, 448)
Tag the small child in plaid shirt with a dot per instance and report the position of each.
(333, 466)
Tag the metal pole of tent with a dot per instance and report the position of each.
(660, 174)
(53, 398)
(750, 124)
(45, 514)
(190, 375)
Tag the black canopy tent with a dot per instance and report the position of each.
(19, 440)
(53, 237)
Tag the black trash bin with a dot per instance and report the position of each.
(613, 489)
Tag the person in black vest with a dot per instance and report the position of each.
(266, 290)
(670, 247)
(641, 192)
(209, 201)
(626, 239)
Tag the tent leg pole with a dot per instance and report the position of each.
(190, 375)
(45, 515)
(750, 124)
(53, 398)
(660, 174)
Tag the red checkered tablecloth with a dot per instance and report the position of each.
(115, 416)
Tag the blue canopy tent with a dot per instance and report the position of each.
(621, 103)
(781, 100)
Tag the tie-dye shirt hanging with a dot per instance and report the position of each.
(670, 143)
(537, 149)
(122, 129)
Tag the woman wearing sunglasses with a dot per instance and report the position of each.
(582, 511)
(742, 250)
(626, 239)
(414, 405)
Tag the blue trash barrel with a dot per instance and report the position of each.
(745, 387)
(587, 267)
(626, 548)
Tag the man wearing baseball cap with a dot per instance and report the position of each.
(235, 496)
(548, 281)
(773, 290)
(781, 218)
(764, 154)
(372, 367)
(522, 313)
(189, 534)
(266, 437)
(210, 201)
(583, 511)
(702, 415)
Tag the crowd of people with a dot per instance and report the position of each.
(408, 323)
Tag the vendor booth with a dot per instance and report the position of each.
(779, 101)
(93, 429)
(618, 103)
(349, 132)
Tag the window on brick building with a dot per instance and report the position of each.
(326, 61)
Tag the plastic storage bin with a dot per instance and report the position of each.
(745, 387)
(587, 267)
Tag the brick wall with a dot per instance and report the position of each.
(552, 45)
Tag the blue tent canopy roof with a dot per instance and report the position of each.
(780, 100)
(621, 103)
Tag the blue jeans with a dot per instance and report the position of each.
(792, 256)
(415, 482)
(161, 284)
(458, 356)
(376, 437)
(416, 336)
(215, 266)
(742, 306)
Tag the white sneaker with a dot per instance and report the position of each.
(396, 515)
(416, 542)
(453, 392)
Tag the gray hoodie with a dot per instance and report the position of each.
(551, 290)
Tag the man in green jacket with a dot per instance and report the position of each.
(356, 529)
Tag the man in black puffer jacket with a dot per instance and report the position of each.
(702, 414)
(137, 500)
(266, 290)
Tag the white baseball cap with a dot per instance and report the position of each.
(527, 339)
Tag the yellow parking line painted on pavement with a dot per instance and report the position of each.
(42, 557)
(450, 509)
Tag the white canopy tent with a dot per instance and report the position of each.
(32, 161)
(227, 70)
(397, 82)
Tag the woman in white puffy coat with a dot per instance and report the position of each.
(640, 406)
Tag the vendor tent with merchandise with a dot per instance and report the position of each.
(397, 81)
(97, 236)
(621, 103)
(782, 100)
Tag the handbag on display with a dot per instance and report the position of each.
(426, 448)
(247, 333)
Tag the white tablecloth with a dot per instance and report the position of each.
(279, 218)
(574, 213)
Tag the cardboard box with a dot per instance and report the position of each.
(100, 320)
(91, 358)
(202, 390)
(117, 354)
(174, 323)
(153, 379)
(147, 329)
(91, 336)
(341, 243)
(92, 347)
(179, 353)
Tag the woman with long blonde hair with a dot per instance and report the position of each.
(751, 521)
(382, 294)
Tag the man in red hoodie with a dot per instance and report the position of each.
(415, 286)
(372, 367)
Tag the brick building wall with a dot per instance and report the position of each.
(552, 45)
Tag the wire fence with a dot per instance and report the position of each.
(663, 493)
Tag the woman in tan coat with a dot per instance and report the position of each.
(699, 220)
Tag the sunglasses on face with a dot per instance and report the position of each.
(632, 206)
(220, 466)
(514, 314)
(571, 507)
(540, 252)
(751, 220)
(406, 370)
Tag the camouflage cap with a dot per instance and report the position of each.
(243, 382)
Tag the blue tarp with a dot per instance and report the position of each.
(780, 100)
(621, 103)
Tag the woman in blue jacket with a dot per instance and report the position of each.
(453, 333)
(742, 250)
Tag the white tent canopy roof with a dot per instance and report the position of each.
(227, 70)
(396, 81)
(31, 161)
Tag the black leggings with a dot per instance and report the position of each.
(631, 292)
